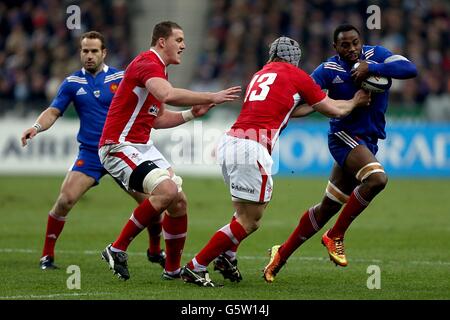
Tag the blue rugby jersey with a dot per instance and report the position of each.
(91, 97)
(335, 76)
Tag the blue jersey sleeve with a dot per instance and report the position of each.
(320, 76)
(392, 66)
(63, 97)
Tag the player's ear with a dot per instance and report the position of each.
(104, 52)
(162, 42)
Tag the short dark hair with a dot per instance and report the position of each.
(163, 30)
(343, 28)
(93, 35)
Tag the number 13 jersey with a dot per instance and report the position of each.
(270, 98)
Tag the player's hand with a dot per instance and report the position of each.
(226, 95)
(28, 135)
(360, 73)
(201, 109)
(362, 98)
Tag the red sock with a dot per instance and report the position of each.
(154, 235)
(175, 230)
(231, 253)
(55, 225)
(222, 240)
(306, 228)
(355, 205)
(140, 218)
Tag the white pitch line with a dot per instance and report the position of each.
(263, 257)
(32, 296)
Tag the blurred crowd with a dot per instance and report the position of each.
(37, 50)
(240, 31)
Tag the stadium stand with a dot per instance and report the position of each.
(37, 50)
(240, 30)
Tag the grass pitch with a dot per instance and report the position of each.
(405, 232)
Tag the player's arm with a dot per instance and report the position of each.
(320, 77)
(340, 108)
(45, 120)
(395, 66)
(162, 90)
(170, 119)
(302, 110)
(389, 65)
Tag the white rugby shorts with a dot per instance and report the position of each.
(121, 159)
(246, 169)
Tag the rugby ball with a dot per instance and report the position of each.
(375, 83)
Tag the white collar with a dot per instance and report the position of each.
(157, 54)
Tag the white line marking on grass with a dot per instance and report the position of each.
(262, 257)
(55, 295)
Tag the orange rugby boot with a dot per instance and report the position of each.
(335, 247)
(274, 265)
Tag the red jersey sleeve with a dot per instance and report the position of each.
(145, 70)
(308, 89)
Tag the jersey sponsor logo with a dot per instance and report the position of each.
(113, 87)
(337, 79)
(97, 93)
(153, 110)
(81, 91)
(242, 189)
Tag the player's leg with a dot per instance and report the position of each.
(82, 177)
(151, 208)
(175, 230)
(248, 217)
(135, 166)
(363, 165)
(312, 220)
(227, 262)
(154, 252)
(250, 185)
(231, 254)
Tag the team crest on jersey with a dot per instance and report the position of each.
(79, 163)
(153, 110)
(113, 87)
(97, 93)
(134, 155)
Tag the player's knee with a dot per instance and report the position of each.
(251, 226)
(65, 202)
(377, 182)
(166, 193)
(178, 206)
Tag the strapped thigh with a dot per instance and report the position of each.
(369, 169)
(335, 194)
